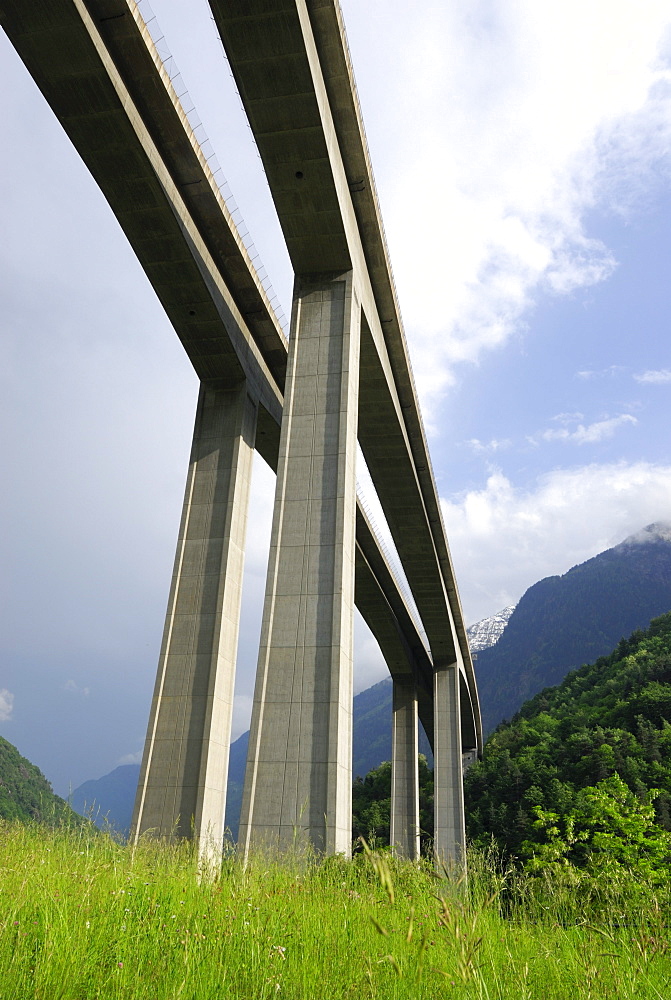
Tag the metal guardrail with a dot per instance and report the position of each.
(388, 549)
(143, 13)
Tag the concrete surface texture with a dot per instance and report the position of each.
(299, 770)
(185, 761)
(404, 826)
(449, 840)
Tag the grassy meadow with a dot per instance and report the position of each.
(84, 917)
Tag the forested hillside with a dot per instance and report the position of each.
(555, 762)
(580, 777)
(25, 794)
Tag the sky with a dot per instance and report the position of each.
(522, 156)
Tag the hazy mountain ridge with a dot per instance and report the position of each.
(108, 801)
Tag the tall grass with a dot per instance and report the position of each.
(84, 917)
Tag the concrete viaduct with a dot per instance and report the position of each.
(344, 376)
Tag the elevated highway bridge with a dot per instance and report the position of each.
(344, 376)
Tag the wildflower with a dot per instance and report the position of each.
(120, 964)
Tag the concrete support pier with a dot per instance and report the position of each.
(404, 829)
(448, 785)
(298, 783)
(182, 788)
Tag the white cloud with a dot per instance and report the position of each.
(131, 758)
(6, 705)
(600, 430)
(487, 447)
(504, 539)
(608, 372)
(658, 377)
(501, 128)
(74, 688)
(568, 418)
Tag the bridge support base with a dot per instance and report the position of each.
(182, 788)
(404, 830)
(449, 823)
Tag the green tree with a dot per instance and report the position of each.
(608, 831)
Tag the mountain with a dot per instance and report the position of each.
(109, 800)
(565, 621)
(610, 718)
(25, 794)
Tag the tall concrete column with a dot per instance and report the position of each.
(404, 831)
(298, 783)
(448, 784)
(182, 789)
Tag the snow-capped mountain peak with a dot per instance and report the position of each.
(488, 631)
